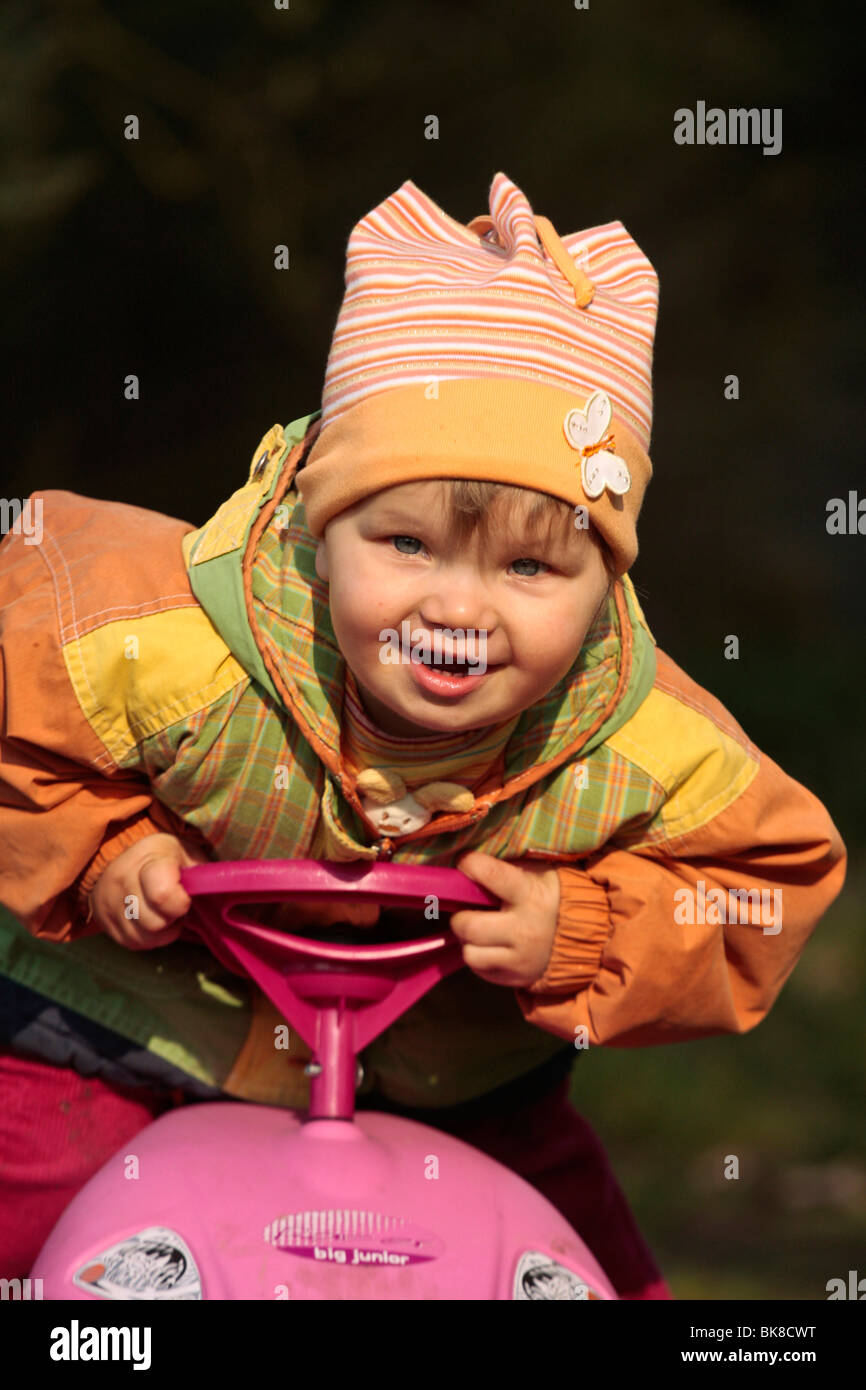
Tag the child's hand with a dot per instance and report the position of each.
(149, 874)
(511, 946)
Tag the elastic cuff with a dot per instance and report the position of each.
(113, 845)
(582, 929)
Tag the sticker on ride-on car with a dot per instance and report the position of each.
(538, 1276)
(155, 1263)
(353, 1238)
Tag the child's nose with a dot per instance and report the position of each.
(458, 599)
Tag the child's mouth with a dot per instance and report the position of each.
(451, 668)
(447, 678)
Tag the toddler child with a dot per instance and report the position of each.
(410, 635)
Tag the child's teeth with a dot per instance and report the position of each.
(449, 668)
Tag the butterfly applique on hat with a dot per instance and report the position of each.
(587, 431)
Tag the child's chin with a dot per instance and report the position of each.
(404, 723)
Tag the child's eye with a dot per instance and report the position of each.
(527, 561)
(413, 540)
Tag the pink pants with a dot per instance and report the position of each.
(57, 1129)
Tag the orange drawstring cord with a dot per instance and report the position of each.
(584, 289)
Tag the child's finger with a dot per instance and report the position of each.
(506, 881)
(496, 966)
(125, 913)
(151, 940)
(164, 898)
(480, 928)
(136, 937)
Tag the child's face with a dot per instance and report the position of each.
(390, 559)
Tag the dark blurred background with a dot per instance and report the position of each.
(261, 126)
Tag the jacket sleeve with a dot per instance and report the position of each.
(66, 808)
(647, 953)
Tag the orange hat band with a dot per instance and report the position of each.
(490, 428)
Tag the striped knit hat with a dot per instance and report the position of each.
(495, 351)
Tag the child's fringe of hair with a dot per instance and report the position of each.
(472, 501)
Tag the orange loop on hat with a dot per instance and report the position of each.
(584, 289)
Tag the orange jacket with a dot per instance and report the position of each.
(663, 854)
